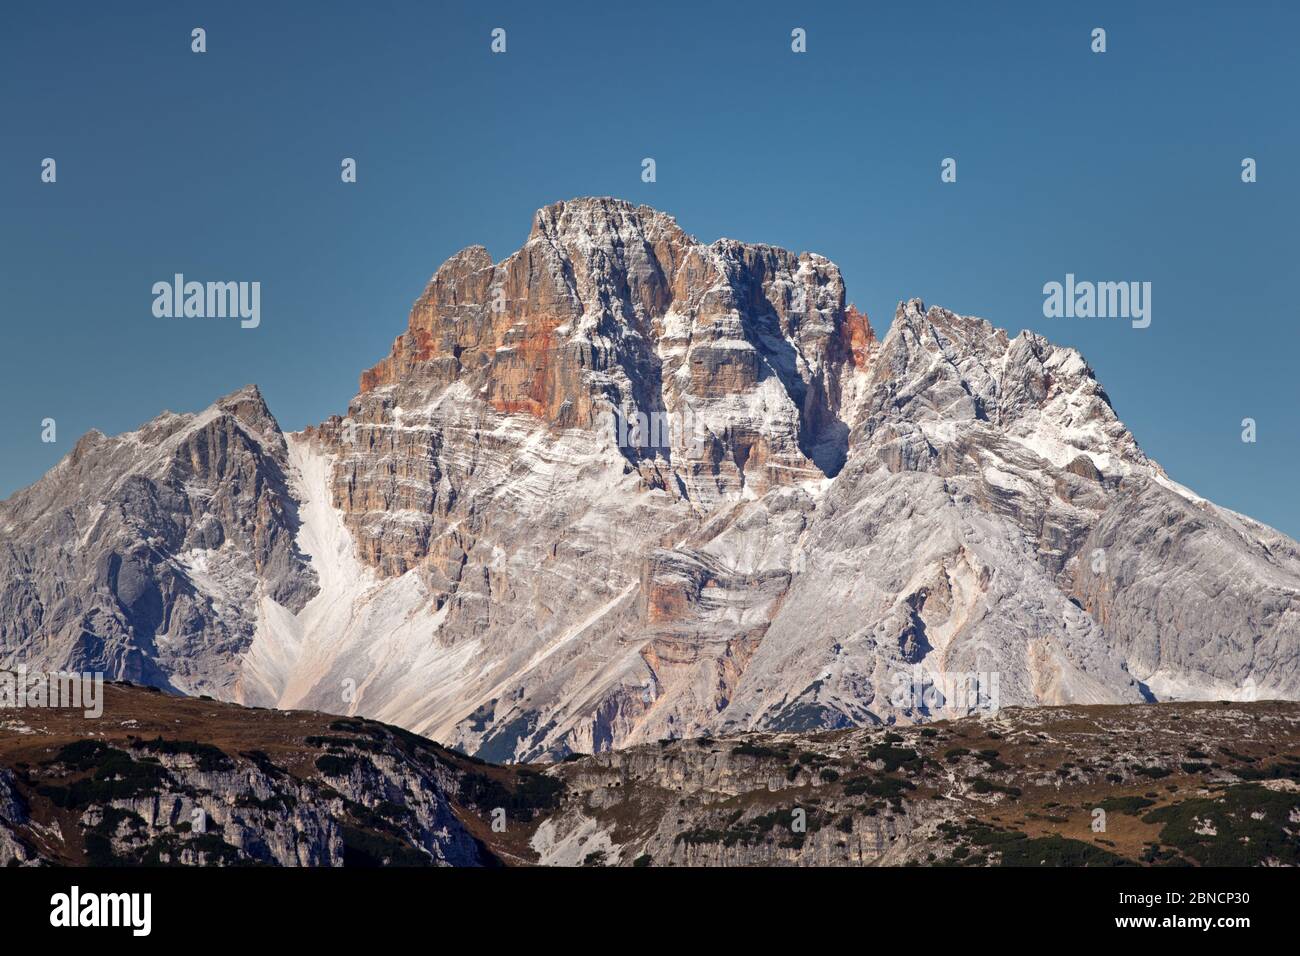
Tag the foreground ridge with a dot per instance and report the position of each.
(182, 781)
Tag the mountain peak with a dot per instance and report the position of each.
(610, 312)
(600, 214)
(249, 408)
(623, 485)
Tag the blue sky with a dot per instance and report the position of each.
(1116, 166)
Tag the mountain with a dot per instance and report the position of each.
(625, 486)
(138, 555)
(166, 780)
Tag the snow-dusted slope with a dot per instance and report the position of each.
(142, 555)
(481, 550)
(356, 628)
(829, 515)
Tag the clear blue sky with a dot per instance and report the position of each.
(225, 165)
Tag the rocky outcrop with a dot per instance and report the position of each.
(1030, 787)
(13, 814)
(163, 780)
(710, 369)
(171, 781)
(624, 486)
(142, 556)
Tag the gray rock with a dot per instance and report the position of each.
(478, 552)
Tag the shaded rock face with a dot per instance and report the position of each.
(165, 780)
(624, 486)
(13, 814)
(139, 556)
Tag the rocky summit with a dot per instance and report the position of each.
(625, 486)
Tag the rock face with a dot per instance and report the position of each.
(733, 355)
(624, 486)
(137, 556)
(13, 814)
(161, 780)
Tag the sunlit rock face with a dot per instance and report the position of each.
(714, 370)
(624, 485)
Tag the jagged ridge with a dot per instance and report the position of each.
(493, 562)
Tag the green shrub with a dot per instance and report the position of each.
(336, 765)
(894, 757)
(753, 750)
(984, 785)
(363, 848)
(1251, 825)
(1130, 805)
(1153, 772)
(116, 777)
(531, 792)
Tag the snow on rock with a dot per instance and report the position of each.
(475, 550)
